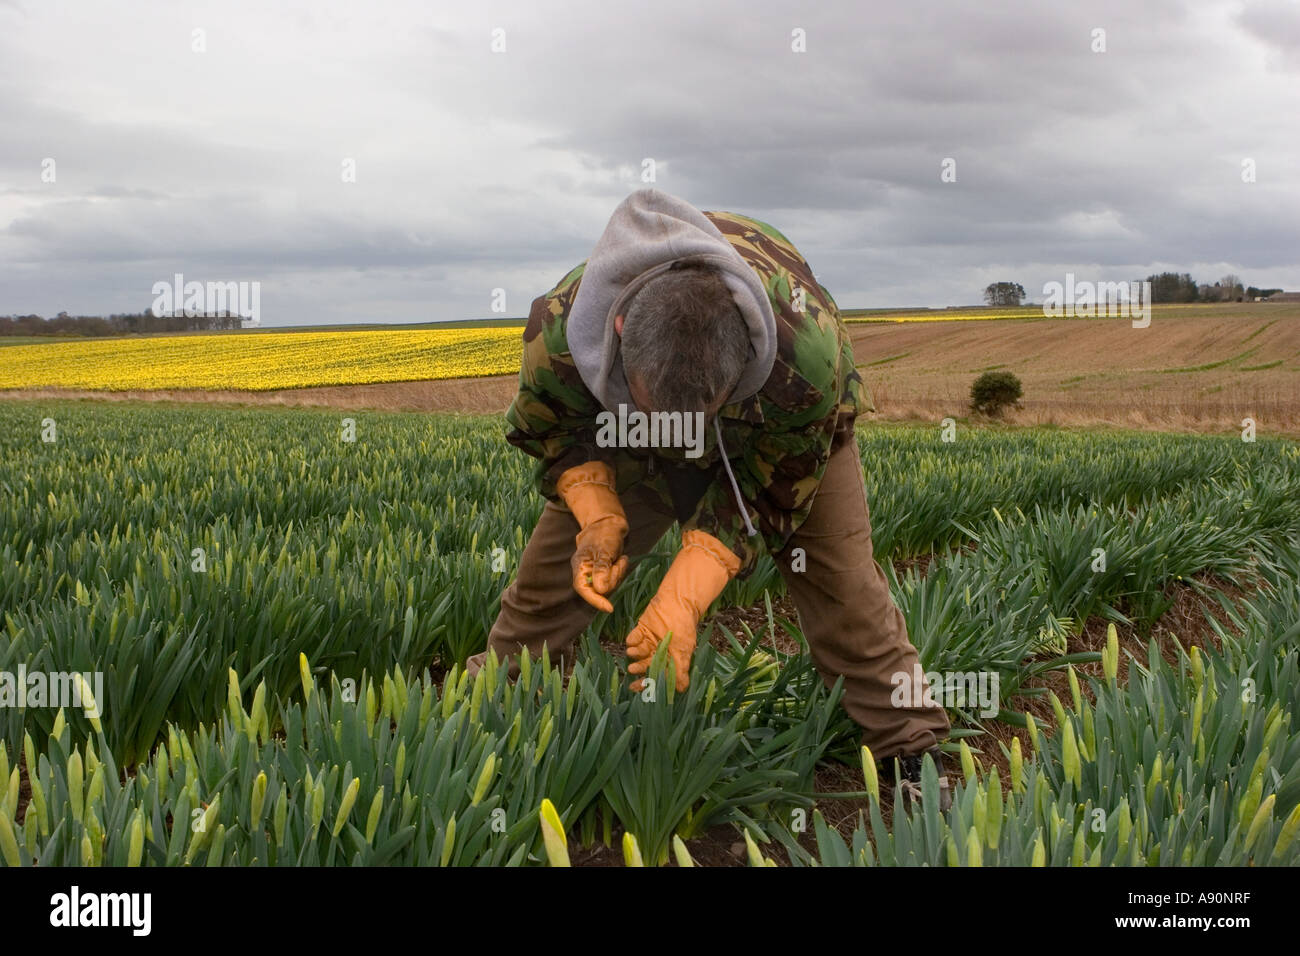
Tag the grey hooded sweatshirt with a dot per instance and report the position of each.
(648, 232)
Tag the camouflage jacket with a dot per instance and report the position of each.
(778, 441)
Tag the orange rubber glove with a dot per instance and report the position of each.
(693, 581)
(598, 561)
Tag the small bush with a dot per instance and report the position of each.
(993, 391)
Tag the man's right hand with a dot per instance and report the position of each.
(598, 561)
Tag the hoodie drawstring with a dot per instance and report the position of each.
(735, 488)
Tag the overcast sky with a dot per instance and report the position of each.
(478, 170)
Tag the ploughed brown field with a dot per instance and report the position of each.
(1194, 368)
(1198, 370)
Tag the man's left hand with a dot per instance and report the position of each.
(694, 580)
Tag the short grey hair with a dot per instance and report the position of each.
(684, 340)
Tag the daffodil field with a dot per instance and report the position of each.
(249, 361)
(279, 610)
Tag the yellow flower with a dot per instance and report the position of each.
(258, 361)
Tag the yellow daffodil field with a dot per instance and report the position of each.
(262, 361)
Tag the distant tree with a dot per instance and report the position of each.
(1004, 293)
(1232, 290)
(1253, 293)
(143, 323)
(1172, 287)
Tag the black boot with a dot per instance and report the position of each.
(910, 769)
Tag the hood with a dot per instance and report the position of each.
(648, 232)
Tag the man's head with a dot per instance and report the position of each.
(684, 342)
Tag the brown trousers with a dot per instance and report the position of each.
(848, 618)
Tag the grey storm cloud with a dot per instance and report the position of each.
(210, 140)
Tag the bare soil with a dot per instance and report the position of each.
(1203, 370)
